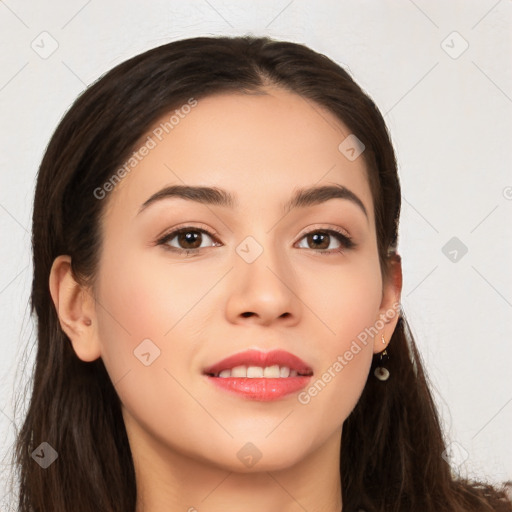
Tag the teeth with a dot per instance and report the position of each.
(255, 372)
(284, 372)
(271, 372)
(239, 371)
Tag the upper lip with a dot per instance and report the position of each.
(263, 359)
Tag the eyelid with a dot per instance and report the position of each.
(200, 227)
(324, 227)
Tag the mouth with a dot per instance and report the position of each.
(256, 375)
(254, 364)
(258, 372)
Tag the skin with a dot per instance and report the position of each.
(184, 432)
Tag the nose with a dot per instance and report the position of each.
(262, 290)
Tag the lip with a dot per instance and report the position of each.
(263, 359)
(263, 390)
(260, 389)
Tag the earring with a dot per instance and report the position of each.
(383, 340)
(381, 372)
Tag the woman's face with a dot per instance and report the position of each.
(258, 278)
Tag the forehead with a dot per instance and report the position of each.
(259, 146)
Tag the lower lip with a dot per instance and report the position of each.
(261, 389)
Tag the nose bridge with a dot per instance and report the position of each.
(261, 258)
(262, 281)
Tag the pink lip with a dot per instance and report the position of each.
(261, 389)
(263, 359)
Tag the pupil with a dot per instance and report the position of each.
(191, 237)
(316, 238)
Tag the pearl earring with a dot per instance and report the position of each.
(381, 372)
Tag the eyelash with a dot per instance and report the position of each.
(346, 242)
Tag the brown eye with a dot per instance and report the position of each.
(187, 239)
(320, 241)
(191, 239)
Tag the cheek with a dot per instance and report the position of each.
(149, 316)
(146, 297)
(345, 299)
(142, 318)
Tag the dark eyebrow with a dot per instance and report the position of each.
(216, 196)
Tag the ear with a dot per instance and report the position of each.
(75, 307)
(389, 311)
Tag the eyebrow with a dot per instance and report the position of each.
(219, 197)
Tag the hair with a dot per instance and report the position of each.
(393, 448)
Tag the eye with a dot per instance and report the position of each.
(186, 240)
(321, 238)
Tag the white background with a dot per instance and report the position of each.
(450, 121)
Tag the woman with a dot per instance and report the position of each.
(217, 288)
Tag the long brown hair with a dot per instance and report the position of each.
(393, 445)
